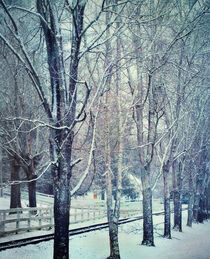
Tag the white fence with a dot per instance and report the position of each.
(23, 219)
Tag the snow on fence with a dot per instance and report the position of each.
(28, 219)
(25, 219)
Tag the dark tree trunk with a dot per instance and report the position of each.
(196, 207)
(177, 186)
(61, 215)
(15, 197)
(190, 202)
(201, 210)
(190, 210)
(197, 199)
(177, 211)
(102, 195)
(206, 202)
(167, 210)
(32, 193)
(148, 237)
(61, 172)
(29, 170)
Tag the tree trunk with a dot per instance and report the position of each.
(177, 211)
(206, 194)
(102, 195)
(61, 215)
(200, 210)
(113, 219)
(197, 199)
(61, 172)
(63, 112)
(15, 197)
(113, 240)
(167, 210)
(190, 203)
(177, 199)
(1, 173)
(112, 215)
(148, 238)
(203, 212)
(113, 206)
(196, 207)
(31, 177)
(32, 193)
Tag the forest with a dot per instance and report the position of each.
(109, 96)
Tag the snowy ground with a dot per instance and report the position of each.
(192, 243)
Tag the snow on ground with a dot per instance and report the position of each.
(4, 203)
(192, 243)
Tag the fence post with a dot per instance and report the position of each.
(2, 219)
(88, 216)
(81, 211)
(18, 220)
(29, 220)
(4, 216)
(75, 215)
(51, 216)
(40, 218)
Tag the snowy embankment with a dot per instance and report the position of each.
(192, 243)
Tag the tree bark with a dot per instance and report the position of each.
(113, 241)
(113, 218)
(201, 214)
(15, 197)
(61, 214)
(177, 198)
(1, 173)
(29, 167)
(197, 199)
(32, 193)
(61, 171)
(148, 237)
(177, 211)
(206, 203)
(167, 210)
(190, 203)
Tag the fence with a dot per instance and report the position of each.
(29, 219)
(23, 219)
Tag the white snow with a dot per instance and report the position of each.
(192, 243)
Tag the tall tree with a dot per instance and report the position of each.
(67, 105)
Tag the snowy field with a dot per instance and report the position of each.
(192, 243)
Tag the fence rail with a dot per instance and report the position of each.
(28, 219)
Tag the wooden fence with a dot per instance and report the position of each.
(23, 219)
(29, 219)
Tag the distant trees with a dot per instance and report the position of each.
(19, 139)
(166, 75)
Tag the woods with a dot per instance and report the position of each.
(96, 93)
